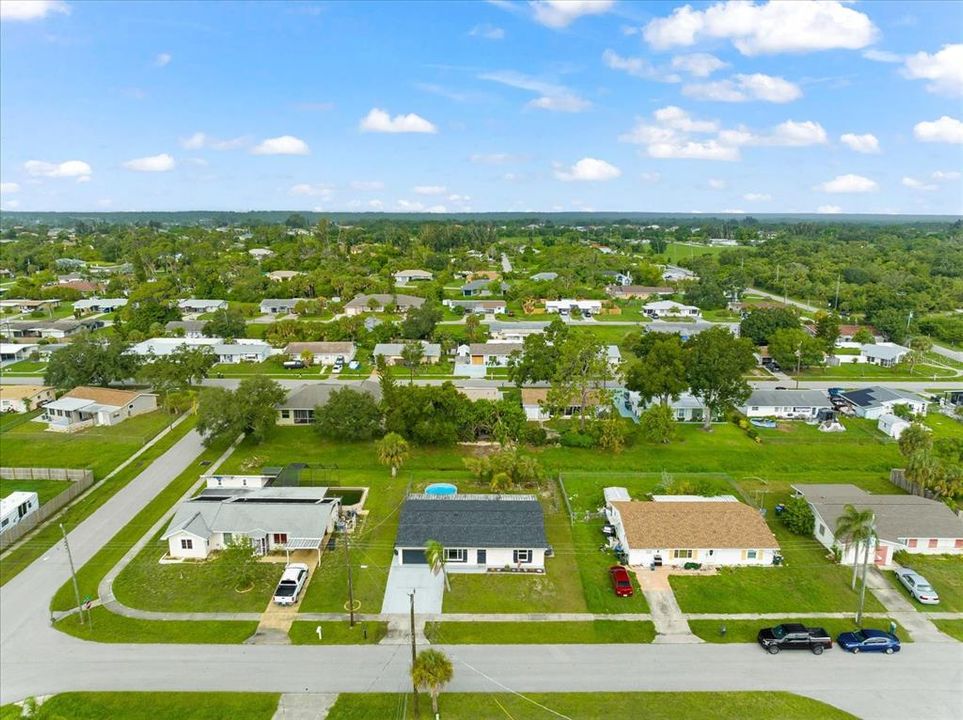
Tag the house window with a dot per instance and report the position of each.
(456, 555)
(751, 554)
(520, 557)
(822, 529)
(303, 417)
(280, 538)
(933, 542)
(187, 544)
(755, 408)
(912, 543)
(959, 543)
(286, 414)
(682, 554)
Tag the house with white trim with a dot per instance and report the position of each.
(323, 353)
(15, 507)
(197, 306)
(24, 398)
(786, 404)
(671, 308)
(567, 305)
(872, 402)
(407, 277)
(391, 352)
(85, 407)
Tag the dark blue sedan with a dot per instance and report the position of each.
(868, 641)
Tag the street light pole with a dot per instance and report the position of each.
(347, 564)
(73, 574)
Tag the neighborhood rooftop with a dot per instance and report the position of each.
(694, 525)
(508, 521)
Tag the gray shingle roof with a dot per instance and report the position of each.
(877, 395)
(309, 395)
(787, 398)
(401, 301)
(506, 521)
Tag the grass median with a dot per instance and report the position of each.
(745, 631)
(305, 632)
(43, 539)
(159, 706)
(540, 633)
(110, 628)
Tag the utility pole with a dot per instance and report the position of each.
(347, 565)
(73, 574)
(414, 649)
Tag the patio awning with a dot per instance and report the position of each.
(303, 543)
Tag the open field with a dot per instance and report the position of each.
(159, 706)
(651, 706)
(543, 633)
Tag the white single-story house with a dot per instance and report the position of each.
(260, 253)
(685, 408)
(406, 277)
(617, 278)
(674, 273)
(670, 308)
(278, 306)
(377, 303)
(85, 407)
(677, 529)
(903, 522)
(534, 403)
(283, 275)
(565, 306)
(685, 330)
(298, 407)
(883, 354)
(15, 507)
(431, 352)
(482, 287)
(892, 425)
(14, 352)
(474, 359)
(99, 305)
(198, 306)
(241, 350)
(874, 401)
(273, 518)
(479, 532)
(482, 307)
(24, 305)
(324, 353)
(48, 329)
(544, 276)
(24, 398)
(233, 353)
(191, 328)
(515, 331)
(786, 404)
(642, 292)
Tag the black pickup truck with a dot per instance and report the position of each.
(793, 636)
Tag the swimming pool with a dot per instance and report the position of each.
(441, 489)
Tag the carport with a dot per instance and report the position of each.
(303, 544)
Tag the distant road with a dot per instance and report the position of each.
(506, 263)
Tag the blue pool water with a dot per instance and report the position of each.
(441, 489)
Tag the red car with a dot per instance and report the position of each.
(621, 583)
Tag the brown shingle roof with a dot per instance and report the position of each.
(19, 392)
(535, 396)
(104, 396)
(681, 524)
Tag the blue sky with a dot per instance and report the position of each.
(489, 106)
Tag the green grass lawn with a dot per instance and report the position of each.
(206, 586)
(865, 371)
(540, 633)
(46, 489)
(945, 573)
(593, 570)
(943, 426)
(98, 448)
(111, 628)
(162, 706)
(38, 542)
(745, 631)
(8, 421)
(25, 367)
(304, 632)
(953, 628)
(649, 705)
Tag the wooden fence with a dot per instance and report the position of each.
(897, 476)
(80, 479)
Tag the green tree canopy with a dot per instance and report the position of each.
(92, 360)
(716, 364)
(348, 415)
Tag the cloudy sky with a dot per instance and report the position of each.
(491, 106)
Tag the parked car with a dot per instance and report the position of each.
(291, 584)
(338, 365)
(794, 636)
(621, 583)
(918, 586)
(293, 364)
(868, 641)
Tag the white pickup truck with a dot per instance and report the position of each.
(291, 584)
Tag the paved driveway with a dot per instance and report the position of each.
(429, 590)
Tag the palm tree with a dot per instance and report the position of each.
(431, 671)
(870, 538)
(855, 527)
(500, 482)
(435, 554)
(393, 451)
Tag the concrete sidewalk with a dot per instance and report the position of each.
(916, 623)
(671, 625)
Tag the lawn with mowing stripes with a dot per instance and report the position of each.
(540, 633)
(111, 628)
(161, 706)
(367, 632)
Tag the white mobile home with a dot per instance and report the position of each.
(15, 507)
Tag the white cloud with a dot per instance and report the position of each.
(487, 32)
(757, 197)
(678, 119)
(455, 197)
(829, 209)
(430, 189)
(552, 96)
(31, 9)
(791, 133)
(194, 142)
(589, 170)
(717, 184)
(945, 175)
(380, 121)
(8, 188)
(944, 70)
(163, 59)
(698, 64)
(848, 184)
(71, 168)
(283, 145)
(200, 140)
(883, 56)
(561, 13)
(767, 28)
(307, 190)
(638, 67)
(867, 144)
(376, 204)
(946, 129)
(152, 163)
(743, 88)
(915, 184)
(367, 185)
(692, 150)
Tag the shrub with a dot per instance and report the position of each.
(798, 517)
(533, 434)
(575, 439)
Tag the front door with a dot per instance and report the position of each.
(482, 557)
(881, 555)
(260, 545)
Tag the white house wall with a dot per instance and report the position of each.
(197, 552)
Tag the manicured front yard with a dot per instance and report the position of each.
(540, 633)
(953, 628)
(865, 371)
(162, 706)
(111, 628)
(305, 632)
(648, 705)
(745, 631)
(945, 573)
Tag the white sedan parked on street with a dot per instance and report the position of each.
(918, 586)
